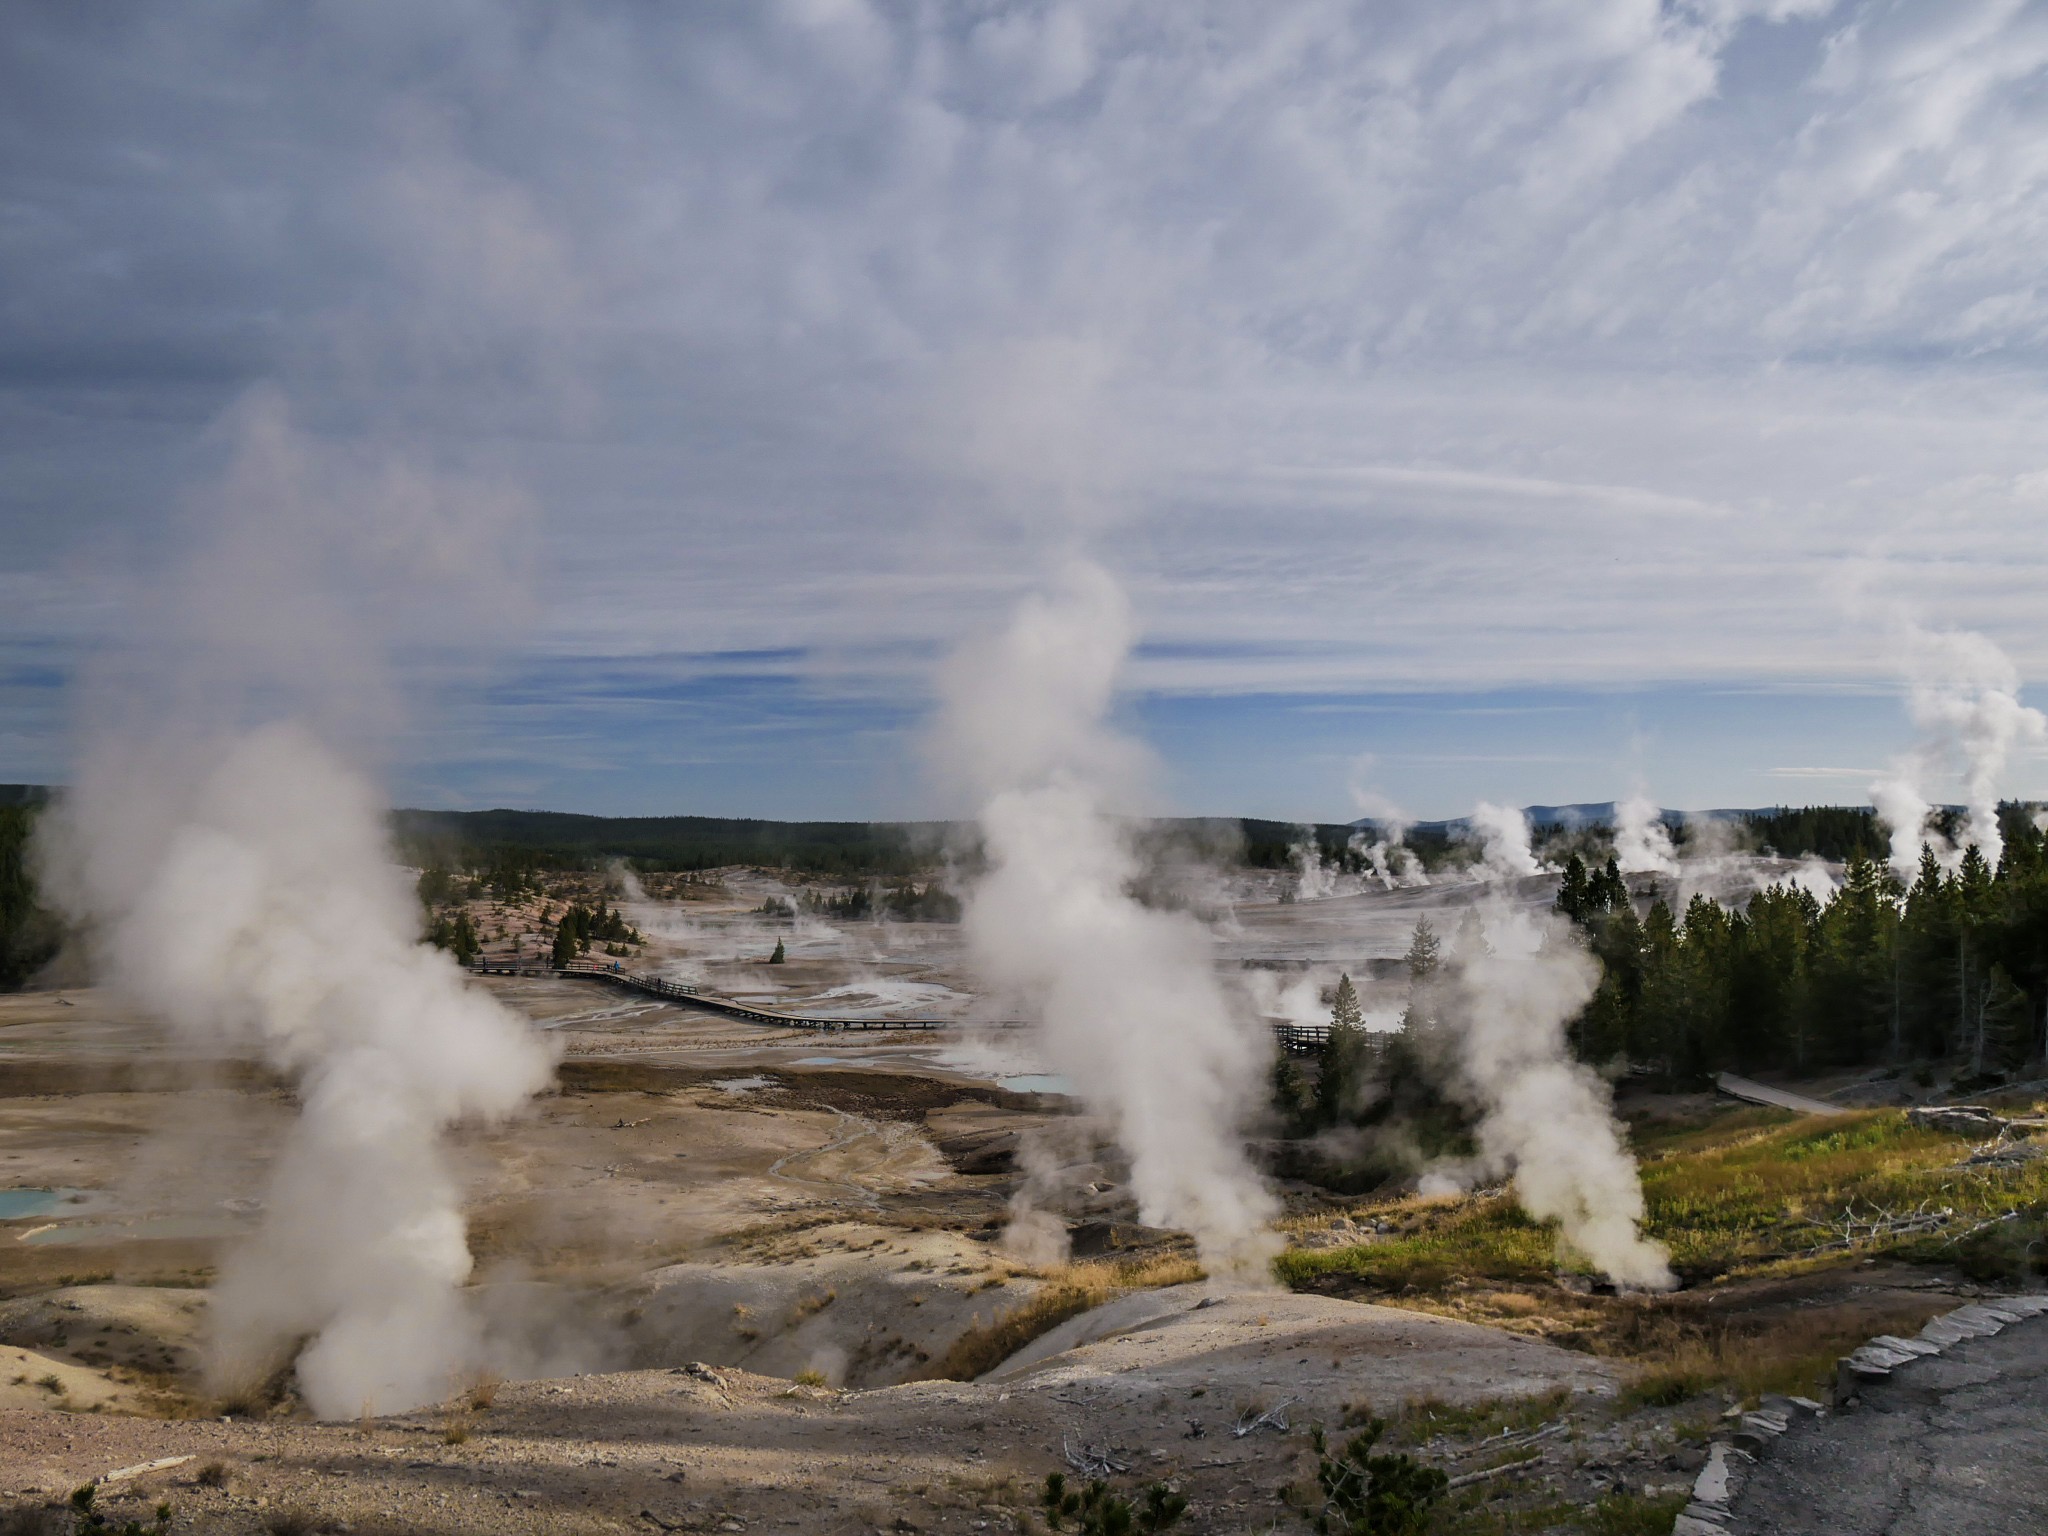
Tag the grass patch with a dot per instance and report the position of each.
(1687, 1349)
(1068, 1291)
(1768, 1194)
(1434, 1243)
(1745, 1195)
(1424, 1419)
(1630, 1514)
(1746, 1192)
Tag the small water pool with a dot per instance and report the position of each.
(17, 1203)
(740, 1084)
(821, 1061)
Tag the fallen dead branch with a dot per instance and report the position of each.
(1467, 1479)
(1090, 1462)
(1273, 1418)
(1509, 1439)
(1853, 1231)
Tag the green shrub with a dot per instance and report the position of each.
(1373, 1495)
(1104, 1513)
(86, 1517)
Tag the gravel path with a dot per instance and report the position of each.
(1955, 1445)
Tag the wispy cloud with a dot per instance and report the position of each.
(1403, 346)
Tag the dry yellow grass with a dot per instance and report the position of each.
(1682, 1353)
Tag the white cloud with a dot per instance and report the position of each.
(1400, 344)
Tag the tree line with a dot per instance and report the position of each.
(582, 926)
(1951, 968)
(904, 902)
(29, 931)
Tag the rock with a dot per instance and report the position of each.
(1945, 1331)
(1879, 1358)
(1985, 1318)
(1757, 1432)
(1958, 1119)
(1789, 1408)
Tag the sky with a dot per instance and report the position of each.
(1537, 402)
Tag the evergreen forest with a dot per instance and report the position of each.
(1952, 967)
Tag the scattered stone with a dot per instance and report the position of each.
(1790, 1408)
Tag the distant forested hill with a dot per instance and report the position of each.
(558, 838)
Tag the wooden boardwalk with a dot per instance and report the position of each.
(1295, 1039)
(685, 992)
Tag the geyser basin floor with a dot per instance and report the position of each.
(590, 1454)
(849, 1177)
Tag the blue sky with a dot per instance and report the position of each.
(1527, 401)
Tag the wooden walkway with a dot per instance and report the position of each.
(1778, 1098)
(685, 992)
(1295, 1039)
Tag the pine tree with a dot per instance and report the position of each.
(1573, 896)
(781, 956)
(1289, 1092)
(1607, 891)
(1424, 959)
(1346, 1068)
(565, 939)
(1425, 951)
(1345, 1012)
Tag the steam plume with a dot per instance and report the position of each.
(1905, 813)
(1545, 1117)
(1314, 879)
(1642, 843)
(1392, 863)
(1504, 841)
(236, 874)
(1131, 1007)
(1965, 702)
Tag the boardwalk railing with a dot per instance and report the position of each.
(1302, 1039)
